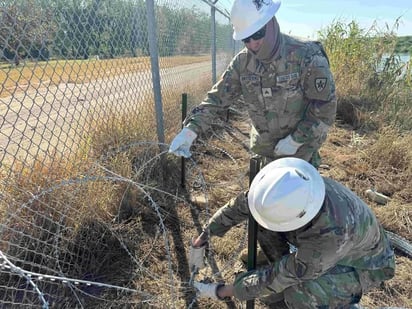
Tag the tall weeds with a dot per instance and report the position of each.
(373, 84)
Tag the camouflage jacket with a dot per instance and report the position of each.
(345, 232)
(293, 94)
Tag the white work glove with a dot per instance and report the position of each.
(180, 145)
(207, 289)
(287, 146)
(196, 257)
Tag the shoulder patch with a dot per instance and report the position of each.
(319, 84)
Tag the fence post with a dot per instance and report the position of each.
(213, 37)
(154, 60)
(254, 166)
(183, 160)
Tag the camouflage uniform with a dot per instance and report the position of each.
(293, 94)
(342, 253)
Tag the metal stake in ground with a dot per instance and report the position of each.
(254, 166)
(184, 113)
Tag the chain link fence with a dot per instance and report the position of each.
(66, 64)
(83, 84)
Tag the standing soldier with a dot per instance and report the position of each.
(286, 84)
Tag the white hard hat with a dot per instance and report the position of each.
(286, 194)
(249, 16)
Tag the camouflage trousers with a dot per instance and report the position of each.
(339, 288)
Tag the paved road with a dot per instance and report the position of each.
(51, 119)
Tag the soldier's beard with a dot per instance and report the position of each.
(271, 42)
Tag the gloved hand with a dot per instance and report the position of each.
(207, 289)
(180, 145)
(196, 257)
(287, 146)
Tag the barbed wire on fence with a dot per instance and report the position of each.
(77, 81)
(39, 254)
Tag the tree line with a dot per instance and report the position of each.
(79, 29)
(404, 45)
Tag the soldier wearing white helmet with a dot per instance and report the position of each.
(248, 17)
(286, 195)
(286, 84)
(341, 251)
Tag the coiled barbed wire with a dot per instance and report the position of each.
(111, 176)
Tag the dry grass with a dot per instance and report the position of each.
(360, 161)
(380, 160)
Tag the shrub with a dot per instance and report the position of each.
(369, 75)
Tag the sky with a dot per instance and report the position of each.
(305, 18)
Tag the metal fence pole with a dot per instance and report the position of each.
(183, 160)
(154, 60)
(234, 48)
(213, 46)
(254, 167)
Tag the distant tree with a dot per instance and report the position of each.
(194, 35)
(26, 29)
(404, 45)
(107, 28)
(138, 34)
(77, 29)
(74, 31)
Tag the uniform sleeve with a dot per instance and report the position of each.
(233, 213)
(319, 90)
(218, 99)
(315, 256)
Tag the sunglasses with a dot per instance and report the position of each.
(256, 36)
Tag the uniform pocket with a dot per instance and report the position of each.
(290, 104)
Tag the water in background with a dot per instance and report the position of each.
(404, 57)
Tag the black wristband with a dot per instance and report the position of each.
(217, 294)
